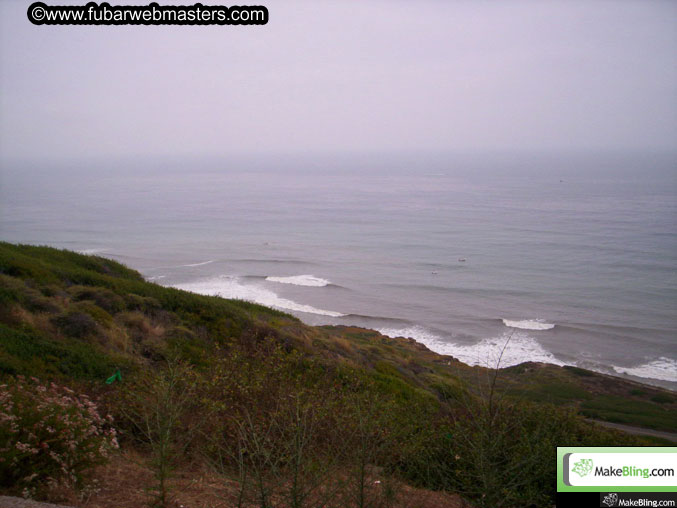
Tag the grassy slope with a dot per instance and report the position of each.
(78, 318)
(413, 415)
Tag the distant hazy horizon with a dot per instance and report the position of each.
(346, 77)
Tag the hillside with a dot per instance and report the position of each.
(278, 413)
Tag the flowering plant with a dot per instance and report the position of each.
(49, 436)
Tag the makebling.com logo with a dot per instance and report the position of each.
(583, 467)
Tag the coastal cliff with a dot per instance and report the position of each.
(267, 411)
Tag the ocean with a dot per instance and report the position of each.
(568, 259)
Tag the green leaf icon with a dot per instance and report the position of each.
(582, 467)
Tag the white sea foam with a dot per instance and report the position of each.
(663, 368)
(200, 264)
(90, 251)
(528, 324)
(300, 280)
(520, 348)
(231, 287)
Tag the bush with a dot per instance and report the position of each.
(663, 398)
(94, 311)
(36, 302)
(11, 290)
(142, 303)
(49, 437)
(32, 353)
(161, 408)
(104, 298)
(76, 324)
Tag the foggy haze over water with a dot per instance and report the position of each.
(346, 76)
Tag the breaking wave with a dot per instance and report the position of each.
(528, 324)
(231, 287)
(90, 252)
(520, 348)
(663, 368)
(300, 280)
(200, 264)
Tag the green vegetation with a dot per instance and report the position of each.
(296, 415)
(28, 352)
(617, 409)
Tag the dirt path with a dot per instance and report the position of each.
(638, 430)
(17, 502)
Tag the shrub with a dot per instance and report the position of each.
(142, 303)
(75, 324)
(160, 407)
(94, 311)
(579, 372)
(49, 436)
(663, 398)
(36, 302)
(11, 290)
(104, 298)
(52, 290)
(32, 353)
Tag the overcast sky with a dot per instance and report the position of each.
(346, 76)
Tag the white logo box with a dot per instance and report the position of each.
(615, 469)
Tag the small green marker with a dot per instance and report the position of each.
(115, 377)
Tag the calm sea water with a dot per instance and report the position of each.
(567, 259)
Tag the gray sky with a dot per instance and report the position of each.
(346, 75)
